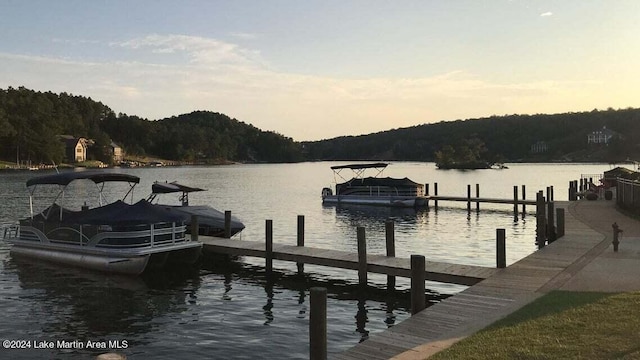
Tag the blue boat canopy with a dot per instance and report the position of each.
(116, 213)
(96, 176)
(360, 166)
(166, 188)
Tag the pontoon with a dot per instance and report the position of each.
(116, 237)
(211, 222)
(373, 190)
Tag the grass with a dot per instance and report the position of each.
(560, 325)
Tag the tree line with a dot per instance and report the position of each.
(31, 122)
(501, 138)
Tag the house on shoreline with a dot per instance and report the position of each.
(75, 149)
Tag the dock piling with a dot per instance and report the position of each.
(227, 224)
(418, 302)
(435, 192)
(501, 252)
(362, 257)
(551, 229)
(300, 241)
(524, 197)
(391, 250)
(469, 198)
(477, 197)
(515, 203)
(540, 220)
(559, 223)
(318, 323)
(194, 227)
(268, 246)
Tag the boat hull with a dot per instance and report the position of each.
(134, 265)
(395, 201)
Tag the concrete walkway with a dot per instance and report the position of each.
(582, 260)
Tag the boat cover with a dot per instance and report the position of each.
(360, 166)
(166, 188)
(376, 181)
(96, 176)
(116, 213)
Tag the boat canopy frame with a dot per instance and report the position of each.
(358, 170)
(99, 178)
(172, 187)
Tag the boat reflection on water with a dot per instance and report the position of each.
(76, 304)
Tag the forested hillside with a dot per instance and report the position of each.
(505, 138)
(31, 122)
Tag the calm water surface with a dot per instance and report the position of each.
(227, 309)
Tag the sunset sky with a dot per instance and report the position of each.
(319, 69)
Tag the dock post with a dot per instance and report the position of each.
(515, 202)
(477, 197)
(551, 198)
(501, 251)
(551, 229)
(268, 246)
(194, 228)
(469, 198)
(435, 193)
(318, 323)
(524, 197)
(559, 223)
(362, 257)
(540, 220)
(227, 224)
(426, 189)
(391, 250)
(300, 241)
(418, 302)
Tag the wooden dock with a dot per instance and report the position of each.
(482, 200)
(381, 264)
(478, 306)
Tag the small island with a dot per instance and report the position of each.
(469, 154)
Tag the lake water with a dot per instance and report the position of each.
(228, 310)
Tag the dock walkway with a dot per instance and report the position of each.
(458, 316)
(381, 264)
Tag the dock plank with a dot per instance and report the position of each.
(380, 264)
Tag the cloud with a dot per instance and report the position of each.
(208, 74)
(201, 51)
(548, 13)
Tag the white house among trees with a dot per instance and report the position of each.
(603, 136)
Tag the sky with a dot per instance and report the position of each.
(313, 70)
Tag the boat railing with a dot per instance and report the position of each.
(381, 191)
(156, 235)
(9, 231)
